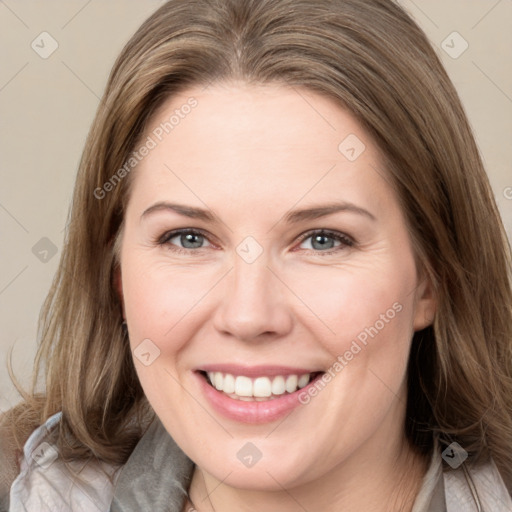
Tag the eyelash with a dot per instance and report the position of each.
(340, 237)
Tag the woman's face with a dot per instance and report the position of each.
(292, 258)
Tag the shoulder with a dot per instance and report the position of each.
(46, 482)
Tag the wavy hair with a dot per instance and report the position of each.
(373, 60)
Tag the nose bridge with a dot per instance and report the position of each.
(253, 302)
(251, 283)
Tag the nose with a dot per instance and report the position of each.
(253, 304)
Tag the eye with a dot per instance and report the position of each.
(321, 241)
(326, 242)
(183, 240)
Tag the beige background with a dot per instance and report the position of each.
(48, 104)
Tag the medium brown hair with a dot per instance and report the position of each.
(370, 58)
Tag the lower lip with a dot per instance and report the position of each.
(252, 412)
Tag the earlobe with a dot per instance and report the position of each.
(426, 305)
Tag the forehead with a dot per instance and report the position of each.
(263, 117)
(251, 141)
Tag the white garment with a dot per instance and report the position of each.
(45, 484)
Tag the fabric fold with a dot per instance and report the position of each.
(156, 476)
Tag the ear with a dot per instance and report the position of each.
(118, 287)
(425, 304)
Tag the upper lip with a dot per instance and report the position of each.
(256, 371)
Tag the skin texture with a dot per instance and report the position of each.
(250, 154)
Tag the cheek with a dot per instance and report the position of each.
(159, 302)
(365, 303)
(158, 295)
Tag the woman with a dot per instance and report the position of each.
(285, 284)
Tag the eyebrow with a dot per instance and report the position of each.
(186, 211)
(317, 212)
(292, 217)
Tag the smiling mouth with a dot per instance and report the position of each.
(241, 387)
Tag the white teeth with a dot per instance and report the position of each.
(303, 381)
(278, 387)
(228, 385)
(243, 386)
(262, 387)
(259, 389)
(218, 381)
(291, 382)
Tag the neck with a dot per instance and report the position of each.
(387, 482)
